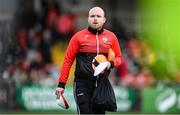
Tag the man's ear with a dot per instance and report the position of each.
(104, 19)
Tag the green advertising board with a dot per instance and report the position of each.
(161, 100)
(37, 98)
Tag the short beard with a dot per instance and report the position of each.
(99, 28)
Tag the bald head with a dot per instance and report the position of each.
(97, 9)
(96, 18)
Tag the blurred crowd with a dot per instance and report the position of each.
(42, 44)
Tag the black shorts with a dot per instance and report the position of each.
(83, 91)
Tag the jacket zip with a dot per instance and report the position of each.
(97, 46)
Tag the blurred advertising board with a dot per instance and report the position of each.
(37, 98)
(4, 97)
(161, 100)
(41, 98)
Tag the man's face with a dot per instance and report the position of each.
(96, 18)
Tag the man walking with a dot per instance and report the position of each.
(84, 46)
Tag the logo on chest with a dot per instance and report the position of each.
(86, 36)
(104, 39)
(104, 42)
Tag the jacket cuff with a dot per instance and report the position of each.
(61, 84)
(112, 64)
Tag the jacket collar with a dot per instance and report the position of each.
(95, 31)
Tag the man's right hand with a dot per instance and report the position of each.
(59, 92)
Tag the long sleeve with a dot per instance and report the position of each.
(117, 50)
(70, 55)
